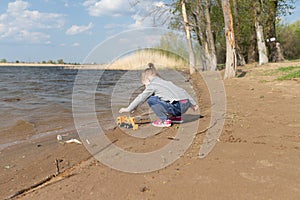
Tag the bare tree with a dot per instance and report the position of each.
(202, 27)
(198, 27)
(210, 38)
(252, 48)
(261, 44)
(240, 58)
(188, 37)
(275, 54)
(231, 61)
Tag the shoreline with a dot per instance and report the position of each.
(87, 66)
(66, 66)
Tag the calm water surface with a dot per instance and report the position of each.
(42, 96)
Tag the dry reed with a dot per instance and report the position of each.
(140, 59)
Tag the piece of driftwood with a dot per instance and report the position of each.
(47, 179)
(30, 187)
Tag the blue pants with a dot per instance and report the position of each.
(163, 108)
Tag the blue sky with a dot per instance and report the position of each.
(37, 30)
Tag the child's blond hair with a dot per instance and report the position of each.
(149, 72)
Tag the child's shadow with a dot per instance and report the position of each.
(186, 119)
(190, 118)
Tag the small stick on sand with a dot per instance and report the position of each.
(47, 179)
(57, 167)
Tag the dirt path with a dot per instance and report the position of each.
(257, 156)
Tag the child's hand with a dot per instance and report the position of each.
(123, 110)
(195, 107)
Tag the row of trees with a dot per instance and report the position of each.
(59, 61)
(235, 31)
(289, 37)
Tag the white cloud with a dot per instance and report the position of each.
(141, 12)
(76, 44)
(114, 8)
(66, 4)
(88, 3)
(149, 13)
(75, 29)
(159, 4)
(32, 36)
(20, 23)
(139, 21)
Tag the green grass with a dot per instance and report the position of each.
(281, 73)
(288, 69)
(221, 66)
(291, 75)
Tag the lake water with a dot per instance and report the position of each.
(42, 97)
(37, 101)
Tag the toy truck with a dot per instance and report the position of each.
(127, 122)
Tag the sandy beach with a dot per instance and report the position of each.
(256, 157)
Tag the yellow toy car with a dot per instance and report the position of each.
(127, 122)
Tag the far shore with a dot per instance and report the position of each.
(81, 66)
(137, 61)
(67, 66)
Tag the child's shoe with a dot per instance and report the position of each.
(160, 123)
(176, 119)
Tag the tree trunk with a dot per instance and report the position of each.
(188, 38)
(203, 36)
(231, 62)
(198, 33)
(210, 39)
(252, 49)
(203, 30)
(208, 59)
(240, 58)
(261, 44)
(275, 54)
(279, 54)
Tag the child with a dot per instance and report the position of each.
(167, 100)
